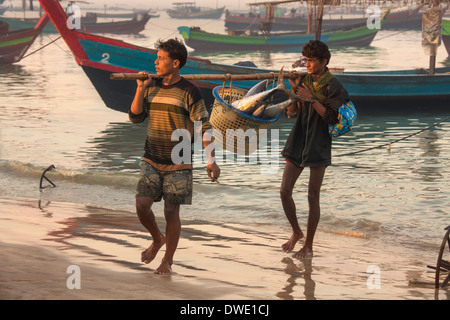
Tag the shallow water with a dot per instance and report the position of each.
(51, 114)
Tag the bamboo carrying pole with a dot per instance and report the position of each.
(211, 77)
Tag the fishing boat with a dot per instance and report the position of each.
(132, 26)
(188, 10)
(284, 23)
(409, 91)
(14, 44)
(446, 34)
(126, 15)
(357, 36)
(29, 23)
(407, 18)
(398, 19)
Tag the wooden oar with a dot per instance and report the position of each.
(217, 77)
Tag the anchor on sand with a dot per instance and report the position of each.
(44, 177)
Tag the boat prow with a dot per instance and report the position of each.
(15, 44)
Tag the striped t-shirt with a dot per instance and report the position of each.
(169, 108)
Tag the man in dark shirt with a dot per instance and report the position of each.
(309, 143)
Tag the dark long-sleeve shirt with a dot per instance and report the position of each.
(309, 143)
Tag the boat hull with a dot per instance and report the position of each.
(407, 19)
(235, 22)
(404, 96)
(204, 41)
(118, 95)
(14, 44)
(133, 26)
(12, 50)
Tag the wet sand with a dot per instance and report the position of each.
(39, 240)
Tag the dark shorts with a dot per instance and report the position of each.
(173, 186)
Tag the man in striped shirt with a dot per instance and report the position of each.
(171, 103)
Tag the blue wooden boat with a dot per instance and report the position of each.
(407, 91)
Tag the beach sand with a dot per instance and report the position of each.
(39, 240)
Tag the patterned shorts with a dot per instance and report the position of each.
(174, 186)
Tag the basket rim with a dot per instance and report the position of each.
(241, 113)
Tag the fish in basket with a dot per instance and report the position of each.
(238, 115)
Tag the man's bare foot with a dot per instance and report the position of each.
(150, 253)
(289, 246)
(165, 268)
(305, 253)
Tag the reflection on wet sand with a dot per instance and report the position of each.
(207, 250)
(233, 261)
(298, 271)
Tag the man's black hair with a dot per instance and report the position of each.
(176, 49)
(316, 49)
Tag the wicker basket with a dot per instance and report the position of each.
(243, 128)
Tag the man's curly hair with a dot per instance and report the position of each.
(316, 49)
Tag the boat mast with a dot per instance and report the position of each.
(266, 25)
(431, 31)
(319, 19)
